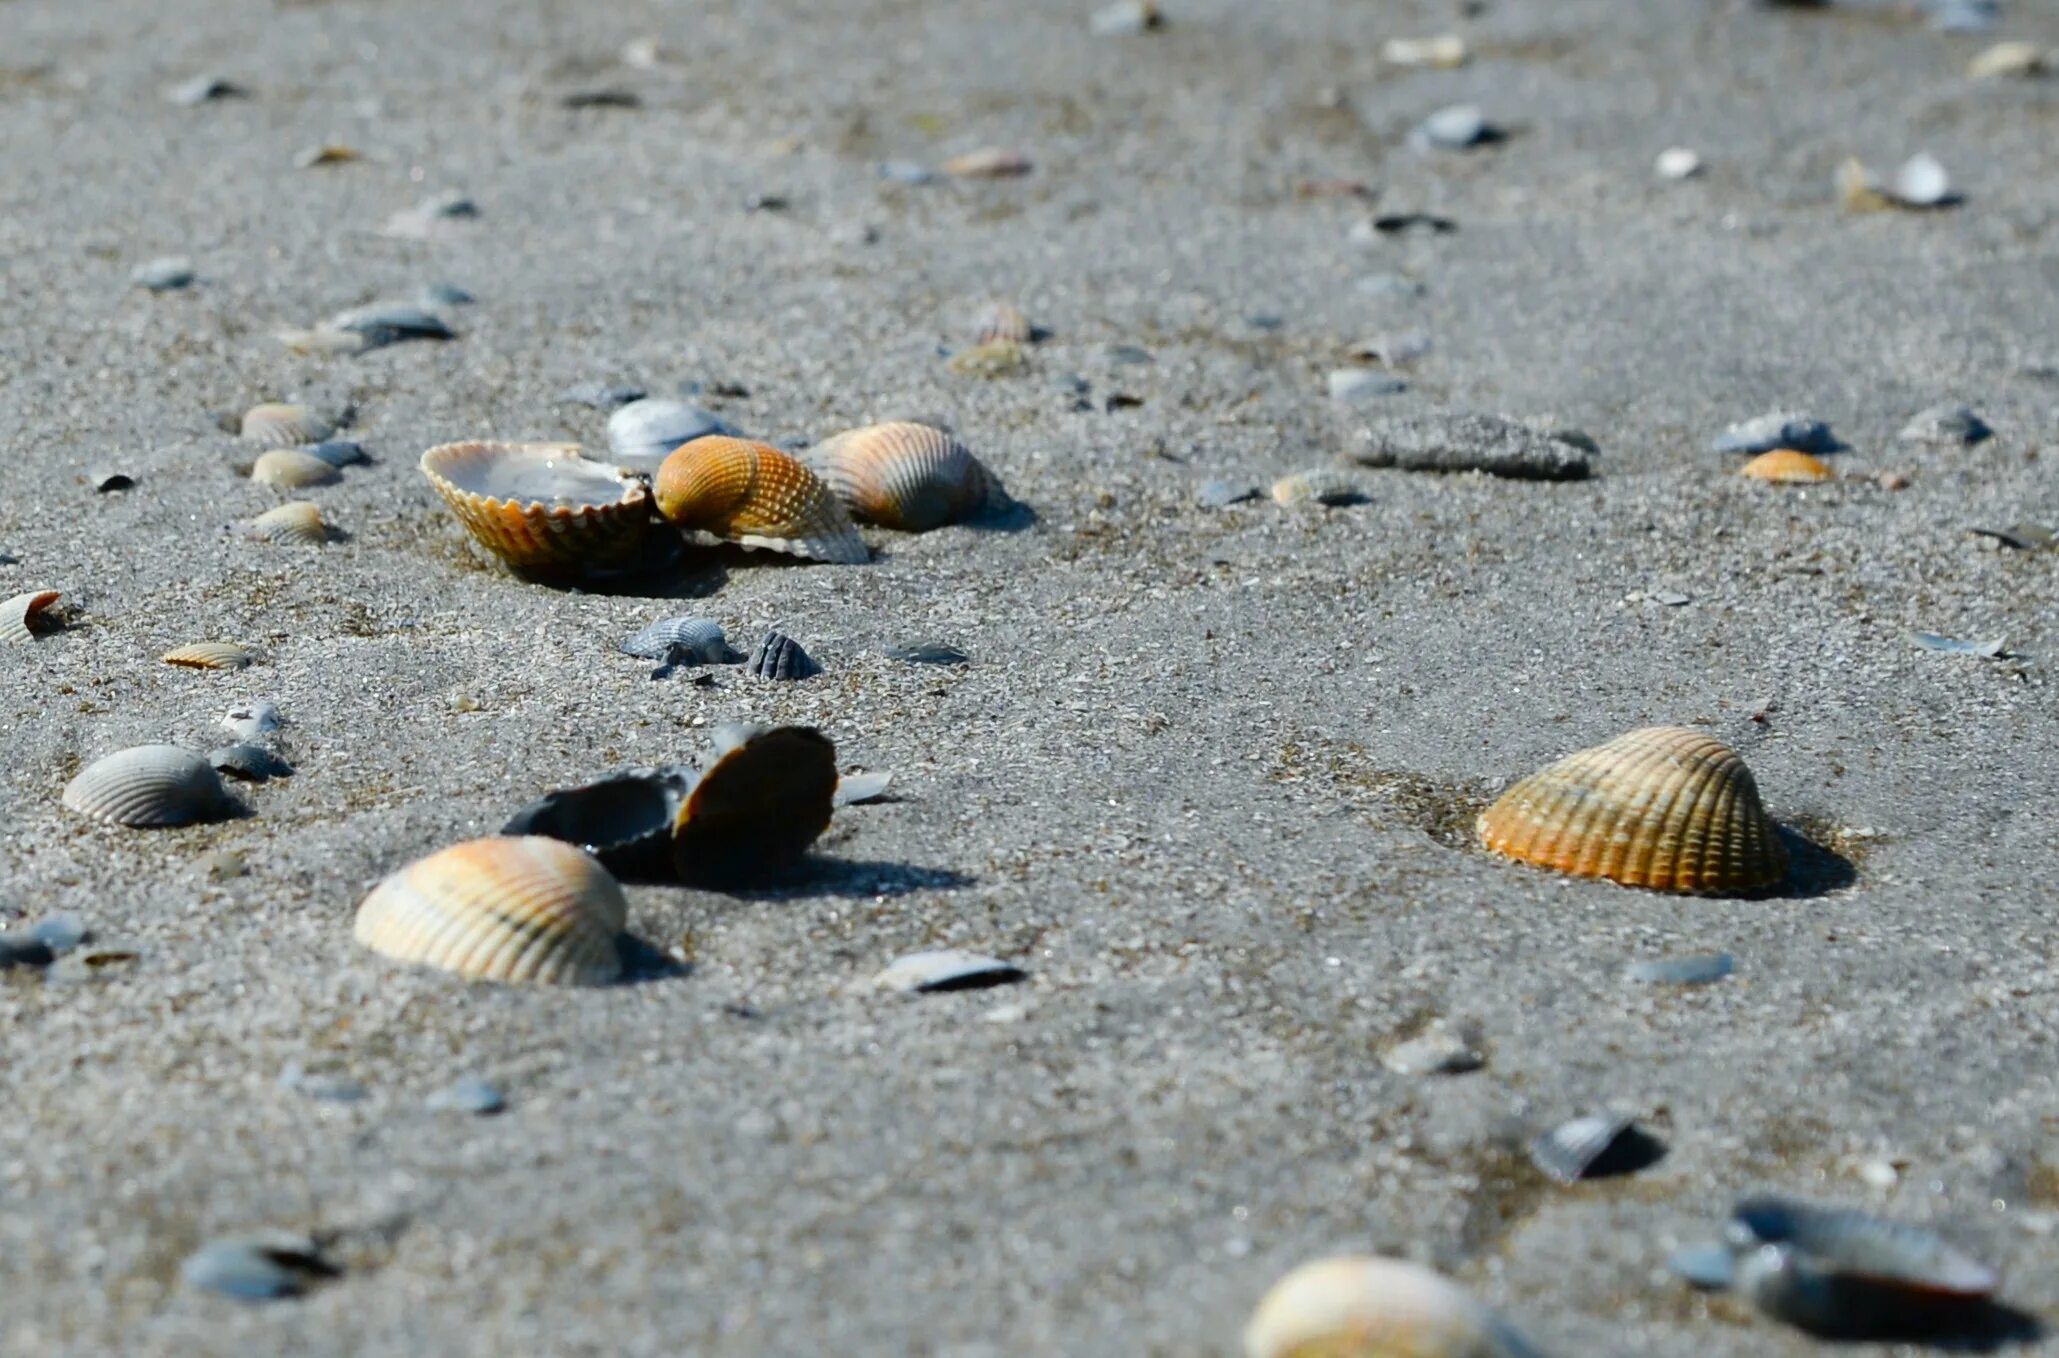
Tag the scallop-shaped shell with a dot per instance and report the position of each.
(1785, 465)
(907, 476)
(697, 641)
(644, 432)
(759, 805)
(780, 657)
(1664, 807)
(148, 785)
(541, 507)
(501, 909)
(1317, 485)
(277, 425)
(1364, 1307)
(291, 468)
(297, 521)
(209, 655)
(1001, 320)
(624, 820)
(24, 615)
(733, 490)
(1591, 1147)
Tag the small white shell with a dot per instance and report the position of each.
(278, 425)
(297, 521)
(253, 719)
(1318, 485)
(20, 615)
(148, 785)
(1364, 1307)
(946, 969)
(292, 469)
(641, 433)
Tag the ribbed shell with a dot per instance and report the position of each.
(148, 785)
(758, 806)
(734, 490)
(1363, 1307)
(696, 640)
(1787, 465)
(291, 468)
(561, 537)
(907, 476)
(19, 615)
(209, 655)
(277, 425)
(501, 909)
(1664, 807)
(297, 522)
(1317, 485)
(1001, 320)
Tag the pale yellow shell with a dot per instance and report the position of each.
(297, 522)
(501, 909)
(734, 490)
(279, 425)
(543, 507)
(1665, 807)
(292, 469)
(209, 655)
(1787, 465)
(907, 476)
(1365, 1307)
(23, 616)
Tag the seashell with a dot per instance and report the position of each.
(438, 294)
(758, 806)
(1921, 182)
(1126, 17)
(252, 763)
(676, 641)
(383, 323)
(337, 452)
(1593, 1147)
(324, 153)
(1678, 162)
(1858, 1245)
(501, 909)
(205, 89)
(994, 358)
(1358, 386)
(297, 522)
(1764, 433)
(1367, 1307)
(1318, 485)
(260, 1267)
(927, 653)
(1948, 424)
(25, 615)
(467, 1094)
(1452, 129)
(1711, 1267)
(168, 273)
(988, 162)
(1695, 969)
(104, 481)
(780, 657)
(210, 655)
(1785, 466)
(624, 820)
(853, 788)
(1444, 52)
(253, 720)
(292, 469)
(946, 969)
(1219, 494)
(1000, 321)
(732, 490)
(276, 425)
(908, 476)
(642, 433)
(1662, 807)
(2007, 60)
(541, 507)
(149, 785)
(444, 214)
(1440, 1050)
(1985, 650)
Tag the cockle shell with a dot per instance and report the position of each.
(1785, 466)
(733, 490)
(1317, 485)
(209, 655)
(1001, 321)
(277, 425)
(694, 641)
(624, 820)
(907, 476)
(1664, 807)
(541, 507)
(1366, 1307)
(291, 468)
(762, 801)
(501, 909)
(1860, 1245)
(23, 616)
(149, 785)
(298, 522)
(1593, 1146)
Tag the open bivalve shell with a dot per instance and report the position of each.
(541, 507)
(624, 820)
(149, 785)
(503, 909)
(1664, 807)
(764, 797)
(1366, 1307)
(721, 489)
(25, 615)
(907, 476)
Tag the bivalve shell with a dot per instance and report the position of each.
(1860, 1245)
(944, 969)
(297, 522)
(1318, 485)
(1366, 1307)
(501, 909)
(1002, 321)
(149, 785)
(644, 432)
(23, 616)
(279, 425)
(780, 657)
(1785, 466)
(693, 641)
(292, 469)
(762, 801)
(908, 476)
(1664, 807)
(733, 490)
(210, 655)
(541, 507)
(624, 820)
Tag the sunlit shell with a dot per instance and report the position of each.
(1664, 807)
(23, 616)
(733, 490)
(693, 641)
(292, 469)
(624, 820)
(1365, 1307)
(149, 785)
(762, 801)
(1859, 1245)
(946, 969)
(277, 425)
(541, 507)
(642, 433)
(210, 655)
(1592, 1147)
(907, 476)
(298, 522)
(1786, 466)
(501, 909)
(1317, 485)
(1000, 320)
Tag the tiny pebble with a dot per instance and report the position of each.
(167, 274)
(328, 1087)
(1678, 162)
(260, 1267)
(1451, 129)
(469, 1094)
(1126, 17)
(60, 933)
(906, 172)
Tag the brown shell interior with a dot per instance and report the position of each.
(757, 808)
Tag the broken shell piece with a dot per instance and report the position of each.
(1368, 1307)
(722, 489)
(855, 788)
(210, 655)
(526, 909)
(467, 1094)
(780, 657)
(253, 720)
(1593, 1147)
(252, 763)
(1318, 485)
(278, 425)
(1696, 969)
(1445, 51)
(1856, 1244)
(913, 477)
(324, 153)
(291, 469)
(1664, 807)
(946, 969)
(166, 274)
(205, 89)
(1452, 129)
(1985, 650)
(642, 433)
(297, 522)
(762, 801)
(624, 820)
(681, 641)
(149, 785)
(1439, 1050)
(337, 452)
(989, 162)
(1785, 466)
(1946, 425)
(26, 615)
(542, 507)
(1125, 17)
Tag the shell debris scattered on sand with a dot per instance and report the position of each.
(292, 469)
(149, 785)
(1664, 807)
(528, 909)
(1785, 466)
(210, 655)
(276, 424)
(912, 477)
(721, 489)
(25, 616)
(766, 795)
(296, 523)
(543, 508)
(1369, 1307)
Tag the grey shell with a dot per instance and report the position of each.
(149, 785)
(779, 656)
(681, 641)
(642, 433)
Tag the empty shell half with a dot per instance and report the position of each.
(541, 507)
(721, 489)
(149, 785)
(501, 909)
(1664, 807)
(297, 522)
(280, 425)
(291, 468)
(907, 476)
(1001, 320)
(23, 616)
(209, 655)
(1317, 485)
(644, 432)
(762, 801)
(1785, 465)
(692, 641)
(624, 820)
(780, 657)
(1367, 1307)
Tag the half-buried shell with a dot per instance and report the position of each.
(23, 616)
(761, 802)
(279, 425)
(1664, 807)
(1366, 1307)
(297, 522)
(209, 655)
(624, 820)
(149, 785)
(721, 489)
(541, 507)
(907, 476)
(1787, 467)
(291, 468)
(501, 909)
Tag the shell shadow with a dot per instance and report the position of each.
(642, 963)
(1812, 869)
(1003, 514)
(854, 877)
(1869, 1313)
(696, 577)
